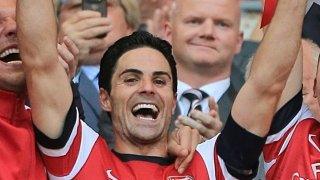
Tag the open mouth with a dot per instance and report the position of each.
(9, 55)
(145, 111)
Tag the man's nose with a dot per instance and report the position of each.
(10, 28)
(147, 86)
(208, 29)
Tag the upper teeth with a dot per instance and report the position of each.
(9, 51)
(140, 106)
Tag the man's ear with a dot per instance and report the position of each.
(168, 31)
(105, 100)
(239, 42)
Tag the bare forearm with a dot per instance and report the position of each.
(257, 101)
(47, 82)
(277, 53)
(37, 31)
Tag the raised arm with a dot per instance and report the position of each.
(47, 82)
(257, 101)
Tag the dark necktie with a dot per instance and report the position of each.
(195, 96)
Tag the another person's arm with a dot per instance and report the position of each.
(47, 82)
(243, 137)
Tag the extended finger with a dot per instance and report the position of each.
(194, 143)
(174, 147)
(195, 125)
(66, 56)
(90, 23)
(71, 46)
(184, 138)
(204, 118)
(64, 65)
(95, 31)
(73, 63)
(78, 16)
(206, 132)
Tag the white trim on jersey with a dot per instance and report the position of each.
(63, 151)
(89, 136)
(206, 150)
(224, 170)
(303, 114)
(268, 165)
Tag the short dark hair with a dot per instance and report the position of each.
(136, 40)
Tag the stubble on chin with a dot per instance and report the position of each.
(12, 79)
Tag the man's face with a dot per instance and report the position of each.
(141, 98)
(120, 27)
(12, 76)
(205, 32)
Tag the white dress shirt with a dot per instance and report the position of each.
(91, 72)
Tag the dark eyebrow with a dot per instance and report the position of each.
(161, 73)
(136, 71)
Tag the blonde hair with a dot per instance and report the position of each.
(132, 12)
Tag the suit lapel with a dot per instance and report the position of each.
(176, 113)
(174, 117)
(225, 103)
(89, 93)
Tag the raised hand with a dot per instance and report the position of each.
(83, 28)
(208, 124)
(182, 144)
(68, 56)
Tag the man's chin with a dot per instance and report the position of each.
(12, 76)
(17, 86)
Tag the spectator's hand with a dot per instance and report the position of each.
(156, 25)
(68, 53)
(182, 144)
(83, 28)
(208, 124)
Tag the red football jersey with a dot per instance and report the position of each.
(293, 152)
(19, 156)
(85, 155)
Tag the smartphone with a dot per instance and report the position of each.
(96, 5)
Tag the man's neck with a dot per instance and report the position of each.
(158, 149)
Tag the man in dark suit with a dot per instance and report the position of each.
(206, 36)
